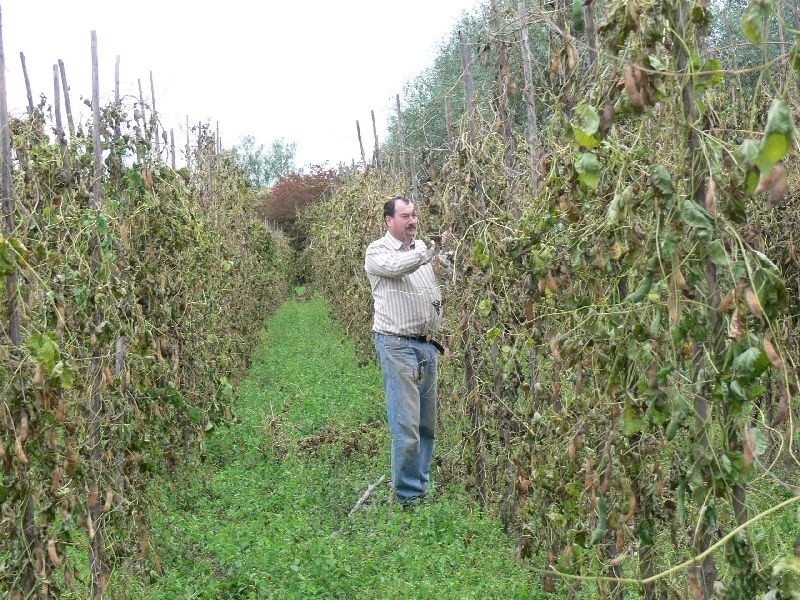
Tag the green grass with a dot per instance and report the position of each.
(266, 514)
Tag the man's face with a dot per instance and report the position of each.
(403, 225)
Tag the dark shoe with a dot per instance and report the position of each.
(411, 503)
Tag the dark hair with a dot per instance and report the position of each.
(388, 208)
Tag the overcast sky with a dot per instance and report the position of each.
(302, 70)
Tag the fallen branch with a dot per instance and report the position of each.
(360, 503)
(364, 496)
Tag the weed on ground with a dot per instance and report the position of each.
(266, 513)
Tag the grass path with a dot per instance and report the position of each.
(266, 514)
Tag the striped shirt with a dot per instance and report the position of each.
(406, 296)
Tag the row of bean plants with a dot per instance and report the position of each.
(136, 316)
(622, 320)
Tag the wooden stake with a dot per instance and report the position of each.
(117, 105)
(60, 136)
(361, 145)
(67, 103)
(145, 129)
(116, 80)
(402, 138)
(154, 115)
(377, 155)
(591, 36)
(27, 84)
(503, 106)
(469, 86)
(172, 146)
(414, 178)
(188, 148)
(469, 107)
(448, 119)
(98, 150)
(98, 567)
(532, 127)
(6, 189)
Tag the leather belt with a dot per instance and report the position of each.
(424, 340)
(417, 338)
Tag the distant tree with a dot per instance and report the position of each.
(292, 193)
(263, 167)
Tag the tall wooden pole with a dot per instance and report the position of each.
(154, 114)
(62, 138)
(188, 146)
(448, 120)
(27, 84)
(401, 134)
(695, 167)
(57, 106)
(503, 106)
(361, 145)
(67, 103)
(472, 121)
(8, 199)
(29, 528)
(589, 28)
(532, 127)
(98, 567)
(469, 86)
(377, 147)
(142, 106)
(172, 146)
(117, 131)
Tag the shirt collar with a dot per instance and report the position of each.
(397, 244)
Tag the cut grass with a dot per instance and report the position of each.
(266, 514)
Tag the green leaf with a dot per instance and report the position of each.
(696, 216)
(655, 62)
(602, 521)
(588, 169)
(8, 261)
(680, 499)
(586, 128)
(641, 290)
(717, 254)
(45, 350)
(751, 181)
(773, 147)
(661, 180)
(794, 57)
(645, 531)
(761, 442)
(769, 285)
(777, 136)
(752, 22)
(632, 422)
(712, 73)
(751, 363)
(615, 209)
(749, 151)
(577, 15)
(485, 307)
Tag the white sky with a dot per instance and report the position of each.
(303, 70)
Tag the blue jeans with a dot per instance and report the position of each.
(409, 380)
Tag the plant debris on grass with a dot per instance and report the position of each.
(265, 515)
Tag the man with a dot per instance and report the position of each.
(407, 305)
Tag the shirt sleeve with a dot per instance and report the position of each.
(385, 262)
